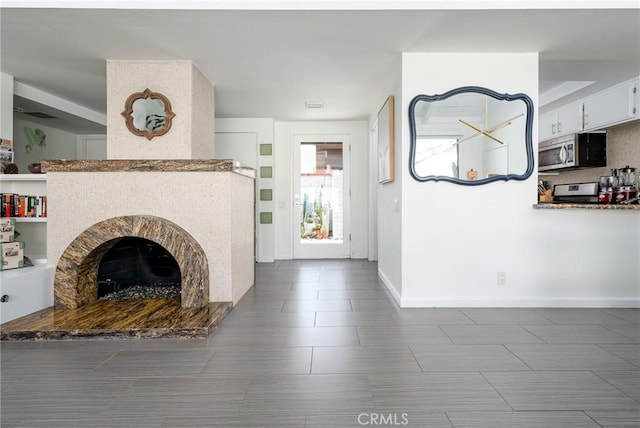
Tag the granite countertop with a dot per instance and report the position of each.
(564, 206)
(147, 165)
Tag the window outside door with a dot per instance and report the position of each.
(321, 197)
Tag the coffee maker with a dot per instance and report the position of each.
(627, 190)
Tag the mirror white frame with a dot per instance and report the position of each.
(527, 138)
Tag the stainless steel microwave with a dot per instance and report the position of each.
(573, 151)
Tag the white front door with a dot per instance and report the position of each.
(321, 197)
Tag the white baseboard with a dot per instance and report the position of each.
(387, 282)
(629, 302)
(359, 256)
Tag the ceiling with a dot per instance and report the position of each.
(267, 63)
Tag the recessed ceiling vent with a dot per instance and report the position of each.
(39, 115)
(314, 104)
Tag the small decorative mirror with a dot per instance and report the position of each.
(148, 114)
(471, 135)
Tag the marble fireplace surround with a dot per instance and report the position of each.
(75, 280)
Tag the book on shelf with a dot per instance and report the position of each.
(15, 205)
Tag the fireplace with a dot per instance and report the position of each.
(199, 211)
(167, 190)
(77, 273)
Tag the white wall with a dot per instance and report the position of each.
(284, 133)
(389, 200)
(58, 145)
(456, 238)
(6, 106)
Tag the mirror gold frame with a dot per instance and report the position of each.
(128, 114)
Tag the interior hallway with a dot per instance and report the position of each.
(321, 344)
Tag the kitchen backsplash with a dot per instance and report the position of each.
(623, 148)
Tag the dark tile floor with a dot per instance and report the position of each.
(321, 344)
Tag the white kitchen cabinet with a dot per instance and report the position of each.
(562, 121)
(548, 126)
(612, 106)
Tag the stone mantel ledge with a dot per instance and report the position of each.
(147, 165)
(565, 206)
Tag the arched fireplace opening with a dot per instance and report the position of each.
(138, 268)
(75, 281)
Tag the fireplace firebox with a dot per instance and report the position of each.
(137, 268)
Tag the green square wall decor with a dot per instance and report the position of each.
(266, 171)
(266, 149)
(266, 194)
(266, 218)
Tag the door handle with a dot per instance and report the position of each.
(563, 154)
(297, 204)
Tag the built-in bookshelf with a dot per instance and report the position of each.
(32, 229)
(27, 289)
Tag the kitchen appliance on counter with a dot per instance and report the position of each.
(578, 193)
(608, 184)
(573, 151)
(627, 190)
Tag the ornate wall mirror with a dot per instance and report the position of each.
(148, 114)
(471, 135)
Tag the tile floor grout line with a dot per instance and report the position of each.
(313, 348)
(590, 417)
(595, 373)
(449, 419)
(468, 317)
(416, 359)
(496, 390)
(533, 334)
(617, 334)
(445, 333)
(515, 355)
(615, 355)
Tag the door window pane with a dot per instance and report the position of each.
(322, 190)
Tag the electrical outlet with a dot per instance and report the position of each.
(502, 278)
